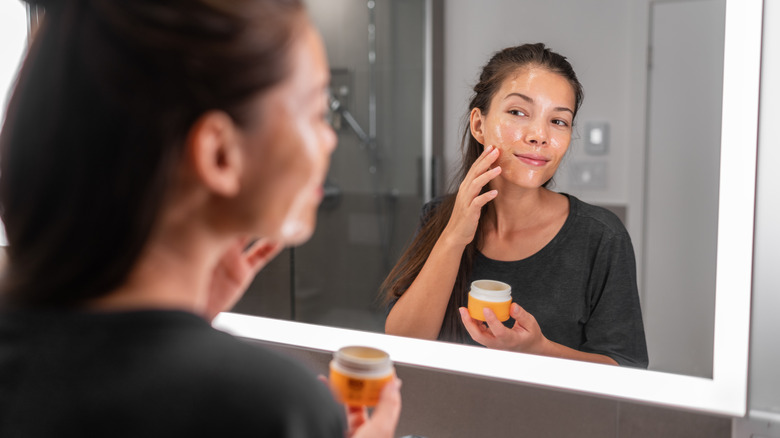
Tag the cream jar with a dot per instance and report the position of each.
(358, 374)
(495, 295)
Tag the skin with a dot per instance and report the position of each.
(525, 132)
(258, 183)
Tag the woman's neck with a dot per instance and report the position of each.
(174, 269)
(517, 208)
(521, 222)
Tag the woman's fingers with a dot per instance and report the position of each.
(384, 419)
(387, 411)
(480, 172)
(261, 252)
(469, 201)
(357, 416)
(496, 327)
(485, 160)
(484, 198)
(477, 331)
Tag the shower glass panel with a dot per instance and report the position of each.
(374, 191)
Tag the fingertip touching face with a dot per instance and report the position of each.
(290, 148)
(530, 121)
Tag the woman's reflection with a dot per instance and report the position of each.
(570, 264)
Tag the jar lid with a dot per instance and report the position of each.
(360, 358)
(491, 290)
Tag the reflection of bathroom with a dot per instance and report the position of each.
(374, 190)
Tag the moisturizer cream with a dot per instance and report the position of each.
(490, 293)
(358, 374)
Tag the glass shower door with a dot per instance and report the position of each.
(375, 187)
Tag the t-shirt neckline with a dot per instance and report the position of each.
(550, 247)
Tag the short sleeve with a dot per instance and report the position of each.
(614, 327)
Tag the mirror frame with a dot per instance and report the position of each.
(726, 392)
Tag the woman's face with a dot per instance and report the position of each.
(530, 120)
(289, 149)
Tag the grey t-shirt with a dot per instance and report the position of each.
(151, 373)
(581, 287)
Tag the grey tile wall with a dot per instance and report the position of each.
(444, 405)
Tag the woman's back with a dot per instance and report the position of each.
(150, 373)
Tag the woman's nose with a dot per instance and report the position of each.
(537, 134)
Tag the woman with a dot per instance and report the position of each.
(155, 156)
(571, 265)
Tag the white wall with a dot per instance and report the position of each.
(765, 345)
(13, 40)
(594, 41)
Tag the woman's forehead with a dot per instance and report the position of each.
(534, 81)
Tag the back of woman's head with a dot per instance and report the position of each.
(502, 65)
(97, 123)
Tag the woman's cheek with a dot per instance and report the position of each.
(505, 134)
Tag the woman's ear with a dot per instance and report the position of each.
(476, 125)
(214, 150)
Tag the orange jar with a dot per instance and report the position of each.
(490, 293)
(358, 374)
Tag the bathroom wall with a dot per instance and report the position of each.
(439, 404)
(13, 41)
(764, 378)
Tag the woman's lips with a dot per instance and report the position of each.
(532, 159)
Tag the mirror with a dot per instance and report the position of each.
(399, 40)
(718, 387)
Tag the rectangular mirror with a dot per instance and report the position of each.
(396, 75)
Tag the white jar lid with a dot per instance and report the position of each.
(362, 360)
(491, 290)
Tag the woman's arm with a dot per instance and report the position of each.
(419, 312)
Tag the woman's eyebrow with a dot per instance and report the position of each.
(531, 101)
(522, 96)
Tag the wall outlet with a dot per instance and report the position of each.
(589, 174)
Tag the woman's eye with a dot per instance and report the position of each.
(517, 112)
(560, 122)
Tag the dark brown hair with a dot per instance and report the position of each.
(500, 66)
(97, 121)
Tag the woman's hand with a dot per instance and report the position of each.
(525, 336)
(235, 271)
(469, 202)
(384, 420)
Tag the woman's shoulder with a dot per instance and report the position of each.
(595, 215)
(432, 206)
(234, 370)
(437, 202)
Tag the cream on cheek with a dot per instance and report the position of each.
(508, 137)
(298, 223)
